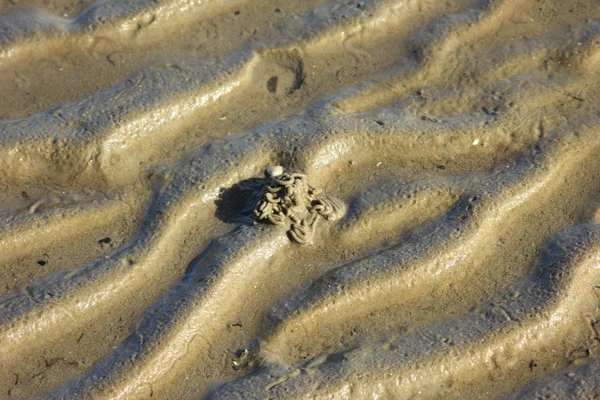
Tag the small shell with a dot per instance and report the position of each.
(275, 171)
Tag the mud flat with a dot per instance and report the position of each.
(442, 161)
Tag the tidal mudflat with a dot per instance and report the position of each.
(288, 199)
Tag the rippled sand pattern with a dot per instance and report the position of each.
(462, 137)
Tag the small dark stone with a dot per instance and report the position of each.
(532, 365)
(106, 240)
(42, 262)
(272, 84)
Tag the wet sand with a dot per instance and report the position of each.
(459, 140)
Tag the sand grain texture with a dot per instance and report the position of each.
(462, 137)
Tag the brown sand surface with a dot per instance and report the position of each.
(456, 147)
